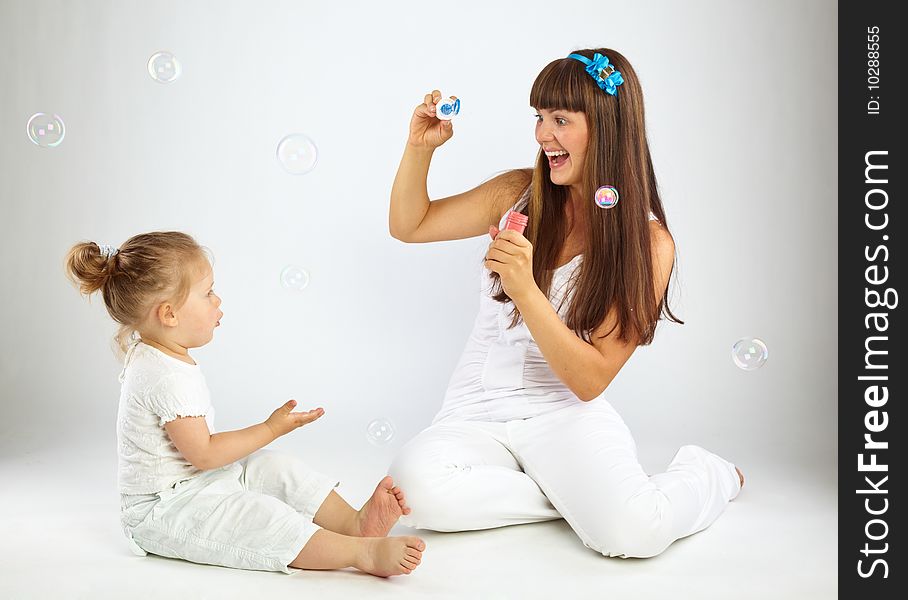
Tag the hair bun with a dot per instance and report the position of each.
(88, 265)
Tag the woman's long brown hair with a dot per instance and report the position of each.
(617, 267)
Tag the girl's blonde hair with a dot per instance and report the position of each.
(148, 269)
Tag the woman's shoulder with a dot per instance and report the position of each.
(661, 243)
(516, 180)
(509, 188)
(659, 233)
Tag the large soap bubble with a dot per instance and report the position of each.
(297, 154)
(380, 431)
(45, 130)
(749, 353)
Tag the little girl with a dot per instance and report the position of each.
(216, 498)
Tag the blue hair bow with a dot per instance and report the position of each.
(602, 71)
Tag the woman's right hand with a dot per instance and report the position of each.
(284, 420)
(427, 130)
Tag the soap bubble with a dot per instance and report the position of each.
(380, 431)
(45, 130)
(606, 196)
(297, 154)
(749, 353)
(294, 278)
(164, 67)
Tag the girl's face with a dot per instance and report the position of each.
(564, 137)
(200, 314)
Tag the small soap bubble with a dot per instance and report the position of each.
(294, 278)
(297, 154)
(749, 353)
(164, 67)
(45, 130)
(380, 431)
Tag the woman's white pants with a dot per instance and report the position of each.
(578, 462)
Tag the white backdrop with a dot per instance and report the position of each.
(741, 117)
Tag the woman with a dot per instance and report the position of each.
(525, 433)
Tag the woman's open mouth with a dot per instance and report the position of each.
(557, 158)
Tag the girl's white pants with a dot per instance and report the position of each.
(578, 462)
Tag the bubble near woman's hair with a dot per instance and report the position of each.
(749, 353)
(164, 67)
(45, 130)
(297, 154)
(380, 431)
(294, 278)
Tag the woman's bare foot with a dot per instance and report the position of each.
(740, 476)
(379, 514)
(387, 556)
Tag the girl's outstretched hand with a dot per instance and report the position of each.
(284, 420)
(427, 130)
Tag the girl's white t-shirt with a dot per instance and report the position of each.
(156, 389)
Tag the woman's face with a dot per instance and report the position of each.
(564, 136)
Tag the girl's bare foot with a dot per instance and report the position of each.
(387, 556)
(379, 514)
(740, 476)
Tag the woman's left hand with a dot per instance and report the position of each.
(511, 256)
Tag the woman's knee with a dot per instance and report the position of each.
(425, 484)
(415, 476)
(634, 532)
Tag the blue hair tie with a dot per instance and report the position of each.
(602, 71)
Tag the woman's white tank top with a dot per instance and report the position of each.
(502, 375)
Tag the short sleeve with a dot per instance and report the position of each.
(178, 395)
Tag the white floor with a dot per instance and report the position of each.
(776, 540)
